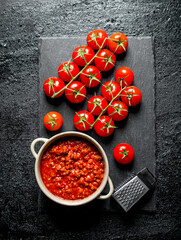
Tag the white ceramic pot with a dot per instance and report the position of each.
(38, 156)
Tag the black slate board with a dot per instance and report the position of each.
(138, 129)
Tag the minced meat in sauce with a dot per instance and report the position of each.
(72, 168)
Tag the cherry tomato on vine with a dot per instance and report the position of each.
(124, 76)
(118, 43)
(123, 153)
(53, 121)
(82, 55)
(75, 92)
(105, 126)
(97, 104)
(117, 110)
(96, 38)
(105, 60)
(53, 85)
(110, 89)
(68, 70)
(91, 76)
(83, 120)
(131, 96)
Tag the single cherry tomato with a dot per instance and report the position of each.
(52, 86)
(82, 55)
(83, 120)
(118, 43)
(110, 89)
(75, 92)
(53, 121)
(123, 153)
(97, 104)
(68, 70)
(105, 126)
(124, 76)
(131, 96)
(117, 110)
(96, 38)
(105, 60)
(91, 76)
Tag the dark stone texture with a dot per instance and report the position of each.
(22, 23)
(138, 129)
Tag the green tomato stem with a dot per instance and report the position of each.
(55, 94)
(97, 119)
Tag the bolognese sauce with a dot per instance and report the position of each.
(72, 168)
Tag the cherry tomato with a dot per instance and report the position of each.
(131, 96)
(105, 126)
(110, 90)
(91, 76)
(105, 60)
(97, 104)
(123, 153)
(124, 76)
(75, 92)
(53, 85)
(82, 55)
(68, 70)
(118, 43)
(53, 121)
(96, 38)
(83, 120)
(117, 110)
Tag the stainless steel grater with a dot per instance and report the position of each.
(128, 194)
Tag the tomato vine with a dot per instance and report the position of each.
(55, 94)
(107, 61)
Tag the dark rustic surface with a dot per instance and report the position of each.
(138, 129)
(22, 23)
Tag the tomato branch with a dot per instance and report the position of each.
(55, 94)
(107, 107)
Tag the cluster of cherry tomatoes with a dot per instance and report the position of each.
(117, 95)
(90, 76)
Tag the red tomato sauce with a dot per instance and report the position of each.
(72, 168)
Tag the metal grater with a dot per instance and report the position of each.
(131, 192)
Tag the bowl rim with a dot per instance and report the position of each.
(65, 201)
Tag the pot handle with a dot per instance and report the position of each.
(44, 140)
(102, 197)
